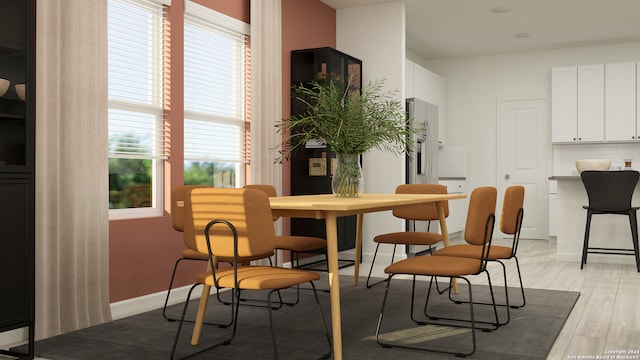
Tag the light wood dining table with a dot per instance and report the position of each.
(329, 208)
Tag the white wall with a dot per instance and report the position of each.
(565, 156)
(474, 84)
(381, 47)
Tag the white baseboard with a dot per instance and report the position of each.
(129, 307)
(11, 338)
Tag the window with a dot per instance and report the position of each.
(216, 58)
(136, 116)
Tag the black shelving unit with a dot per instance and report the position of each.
(311, 166)
(17, 172)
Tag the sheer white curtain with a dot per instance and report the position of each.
(72, 273)
(266, 94)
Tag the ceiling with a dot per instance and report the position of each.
(453, 28)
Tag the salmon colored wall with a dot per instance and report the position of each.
(143, 251)
(240, 10)
(305, 24)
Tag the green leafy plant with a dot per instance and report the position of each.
(347, 120)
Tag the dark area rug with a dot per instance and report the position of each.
(530, 334)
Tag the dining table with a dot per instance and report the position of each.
(329, 207)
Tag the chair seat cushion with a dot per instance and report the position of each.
(194, 255)
(229, 259)
(259, 277)
(300, 243)
(409, 238)
(435, 266)
(474, 251)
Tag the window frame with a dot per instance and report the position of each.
(155, 109)
(229, 24)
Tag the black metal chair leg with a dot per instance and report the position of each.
(493, 325)
(507, 300)
(273, 330)
(472, 323)
(438, 288)
(524, 300)
(413, 296)
(384, 303)
(253, 302)
(182, 321)
(634, 236)
(369, 286)
(166, 300)
(324, 322)
(296, 265)
(493, 299)
(585, 246)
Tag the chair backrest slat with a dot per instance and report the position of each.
(510, 221)
(423, 212)
(270, 190)
(247, 209)
(482, 207)
(178, 197)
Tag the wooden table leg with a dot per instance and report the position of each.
(356, 267)
(202, 308)
(334, 283)
(445, 235)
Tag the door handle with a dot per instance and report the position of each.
(507, 176)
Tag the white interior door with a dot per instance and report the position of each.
(523, 154)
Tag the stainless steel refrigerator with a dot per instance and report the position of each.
(422, 163)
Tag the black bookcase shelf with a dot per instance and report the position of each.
(17, 174)
(311, 167)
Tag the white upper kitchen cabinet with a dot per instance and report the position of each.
(420, 83)
(638, 94)
(577, 108)
(620, 102)
(564, 104)
(408, 76)
(591, 103)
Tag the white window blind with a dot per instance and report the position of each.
(215, 86)
(136, 119)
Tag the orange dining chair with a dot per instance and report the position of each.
(478, 231)
(420, 212)
(190, 253)
(237, 223)
(295, 244)
(510, 224)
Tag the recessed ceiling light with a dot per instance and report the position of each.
(501, 10)
(522, 35)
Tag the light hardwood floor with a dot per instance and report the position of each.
(606, 317)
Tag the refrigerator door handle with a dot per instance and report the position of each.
(419, 157)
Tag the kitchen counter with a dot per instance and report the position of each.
(565, 177)
(606, 230)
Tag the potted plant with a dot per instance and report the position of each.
(350, 122)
